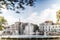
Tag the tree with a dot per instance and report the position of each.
(11, 4)
(2, 22)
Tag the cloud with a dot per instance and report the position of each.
(34, 17)
(8, 16)
(46, 14)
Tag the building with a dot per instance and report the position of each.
(50, 28)
(20, 28)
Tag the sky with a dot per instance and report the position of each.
(42, 10)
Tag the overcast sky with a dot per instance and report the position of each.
(41, 11)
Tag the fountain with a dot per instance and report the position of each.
(29, 29)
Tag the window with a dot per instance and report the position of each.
(56, 26)
(53, 26)
(49, 29)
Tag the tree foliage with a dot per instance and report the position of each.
(2, 22)
(16, 4)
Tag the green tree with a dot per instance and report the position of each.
(2, 22)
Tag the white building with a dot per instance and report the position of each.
(50, 28)
(11, 29)
(20, 28)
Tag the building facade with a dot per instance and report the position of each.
(50, 28)
(20, 28)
